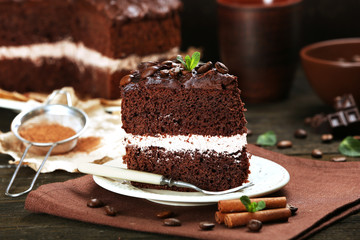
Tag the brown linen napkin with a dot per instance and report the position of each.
(323, 191)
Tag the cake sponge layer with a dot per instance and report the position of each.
(208, 170)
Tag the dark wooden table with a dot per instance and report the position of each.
(281, 117)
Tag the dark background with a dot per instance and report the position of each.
(321, 20)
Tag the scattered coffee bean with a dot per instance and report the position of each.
(165, 214)
(95, 203)
(110, 211)
(125, 80)
(205, 67)
(300, 133)
(339, 159)
(254, 225)
(149, 71)
(284, 144)
(249, 133)
(341, 60)
(316, 153)
(172, 222)
(148, 64)
(356, 58)
(327, 138)
(220, 67)
(167, 63)
(164, 72)
(308, 121)
(356, 137)
(293, 209)
(174, 71)
(206, 226)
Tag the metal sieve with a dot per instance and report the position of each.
(65, 115)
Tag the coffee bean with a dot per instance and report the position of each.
(125, 80)
(254, 225)
(300, 133)
(206, 226)
(293, 209)
(356, 58)
(341, 60)
(95, 203)
(316, 153)
(167, 64)
(110, 211)
(174, 71)
(308, 121)
(172, 222)
(284, 144)
(205, 67)
(220, 67)
(164, 72)
(339, 159)
(148, 64)
(165, 214)
(149, 71)
(327, 138)
(356, 137)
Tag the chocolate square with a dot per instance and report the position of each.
(337, 120)
(352, 115)
(344, 102)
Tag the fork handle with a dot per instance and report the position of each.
(120, 173)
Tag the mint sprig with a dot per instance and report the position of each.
(190, 62)
(267, 139)
(252, 206)
(350, 147)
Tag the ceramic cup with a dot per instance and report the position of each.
(259, 43)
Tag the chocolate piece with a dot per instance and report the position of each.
(344, 102)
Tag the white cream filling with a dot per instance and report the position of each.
(79, 53)
(200, 143)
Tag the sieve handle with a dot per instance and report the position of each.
(120, 173)
(55, 93)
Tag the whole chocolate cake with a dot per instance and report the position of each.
(88, 44)
(185, 125)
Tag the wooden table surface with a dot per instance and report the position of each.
(281, 117)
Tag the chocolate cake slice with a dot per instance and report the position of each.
(185, 125)
(87, 44)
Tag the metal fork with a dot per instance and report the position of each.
(145, 177)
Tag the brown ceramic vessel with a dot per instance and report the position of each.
(259, 42)
(333, 68)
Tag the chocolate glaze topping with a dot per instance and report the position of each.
(172, 74)
(124, 10)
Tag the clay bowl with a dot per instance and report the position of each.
(333, 68)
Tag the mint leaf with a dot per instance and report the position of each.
(187, 61)
(180, 59)
(252, 206)
(350, 147)
(260, 206)
(267, 139)
(246, 201)
(195, 59)
(190, 62)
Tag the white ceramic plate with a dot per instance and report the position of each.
(266, 176)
